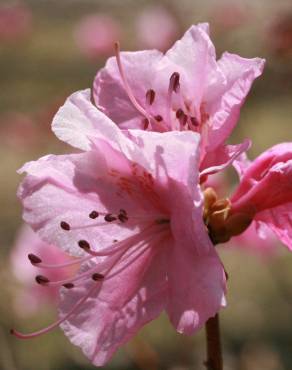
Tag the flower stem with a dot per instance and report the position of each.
(214, 352)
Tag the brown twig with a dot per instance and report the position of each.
(214, 353)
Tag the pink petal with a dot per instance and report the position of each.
(116, 311)
(78, 120)
(279, 220)
(224, 100)
(222, 157)
(196, 275)
(197, 286)
(140, 69)
(196, 57)
(68, 188)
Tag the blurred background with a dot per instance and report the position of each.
(51, 48)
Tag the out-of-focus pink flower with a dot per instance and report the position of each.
(279, 39)
(33, 295)
(265, 191)
(131, 209)
(15, 22)
(95, 35)
(18, 130)
(184, 89)
(156, 28)
(228, 15)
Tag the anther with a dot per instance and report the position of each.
(174, 82)
(158, 118)
(179, 113)
(93, 214)
(34, 259)
(161, 221)
(150, 96)
(194, 121)
(84, 244)
(68, 285)
(65, 226)
(122, 217)
(109, 217)
(183, 119)
(97, 276)
(145, 123)
(42, 280)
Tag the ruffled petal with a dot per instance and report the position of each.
(195, 274)
(68, 188)
(119, 308)
(224, 100)
(279, 220)
(109, 91)
(222, 157)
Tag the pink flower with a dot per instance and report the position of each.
(96, 34)
(184, 89)
(263, 197)
(33, 296)
(156, 28)
(15, 22)
(257, 238)
(131, 210)
(279, 35)
(265, 190)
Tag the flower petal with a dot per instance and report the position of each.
(140, 69)
(222, 157)
(68, 188)
(116, 311)
(195, 274)
(224, 100)
(78, 120)
(279, 220)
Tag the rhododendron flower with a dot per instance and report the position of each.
(184, 89)
(156, 28)
(15, 22)
(96, 34)
(265, 190)
(33, 296)
(257, 238)
(264, 197)
(131, 209)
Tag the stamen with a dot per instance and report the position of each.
(174, 82)
(126, 84)
(173, 87)
(68, 285)
(42, 280)
(93, 214)
(65, 226)
(123, 217)
(58, 322)
(109, 217)
(76, 261)
(145, 123)
(97, 276)
(34, 259)
(179, 113)
(194, 121)
(150, 96)
(158, 118)
(84, 244)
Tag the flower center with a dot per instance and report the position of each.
(179, 113)
(221, 222)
